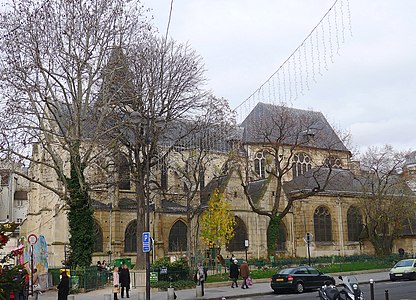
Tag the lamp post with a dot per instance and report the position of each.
(246, 246)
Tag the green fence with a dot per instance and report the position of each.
(87, 279)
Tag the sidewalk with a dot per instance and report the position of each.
(213, 290)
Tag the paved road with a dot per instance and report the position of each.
(212, 291)
(400, 290)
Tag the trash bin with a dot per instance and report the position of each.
(171, 293)
(123, 261)
(199, 290)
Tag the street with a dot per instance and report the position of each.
(400, 290)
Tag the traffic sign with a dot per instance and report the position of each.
(146, 241)
(32, 239)
(308, 238)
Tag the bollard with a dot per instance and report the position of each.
(386, 294)
(107, 297)
(199, 290)
(141, 295)
(371, 289)
(356, 292)
(171, 293)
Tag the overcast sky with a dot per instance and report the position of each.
(369, 90)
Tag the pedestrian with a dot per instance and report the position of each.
(200, 277)
(104, 265)
(232, 258)
(116, 282)
(125, 280)
(245, 273)
(63, 287)
(36, 285)
(234, 273)
(99, 266)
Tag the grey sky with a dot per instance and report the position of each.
(368, 90)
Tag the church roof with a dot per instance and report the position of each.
(172, 207)
(255, 189)
(216, 183)
(290, 126)
(340, 182)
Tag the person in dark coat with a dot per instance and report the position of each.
(125, 280)
(63, 287)
(245, 273)
(234, 272)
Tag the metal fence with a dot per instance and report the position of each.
(86, 279)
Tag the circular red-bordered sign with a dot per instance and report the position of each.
(32, 239)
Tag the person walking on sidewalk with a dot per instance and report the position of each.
(234, 273)
(245, 273)
(116, 283)
(125, 280)
(63, 286)
(200, 277)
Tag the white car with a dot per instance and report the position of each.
(404, 269)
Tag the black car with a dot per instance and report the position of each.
(299, 279)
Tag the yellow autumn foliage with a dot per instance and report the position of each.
(217, 223)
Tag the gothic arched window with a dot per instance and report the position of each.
(123, 169)
(164, 177)
(260, 163)
(240, 235)
(354, 223)
(201, 177)
(178, 237)
(130, 237)
(301, 163)
(333, 162)
(98, 240)
(322, 224)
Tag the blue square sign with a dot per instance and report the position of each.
(146, 241)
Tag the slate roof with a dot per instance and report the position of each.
(255, 188)
(299, 124)
(172, 207)
(411, 158)
(340, 182)
(216, 183)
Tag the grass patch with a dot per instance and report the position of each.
(267, 272)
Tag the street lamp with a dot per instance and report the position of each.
(246, 246)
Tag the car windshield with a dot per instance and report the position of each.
(286, 271)
(405, 263)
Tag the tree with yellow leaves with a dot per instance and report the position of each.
(217, 222)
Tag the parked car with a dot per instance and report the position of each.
(404, 269)
(300, 279)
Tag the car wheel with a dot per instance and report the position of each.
(275, 291)
(300, 288)
(392, 278)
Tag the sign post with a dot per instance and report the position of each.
(246, 246)
(146, 241)
(32, 239)
(308, 238)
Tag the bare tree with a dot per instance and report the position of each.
(283, 137)
(163, 97)
(199, 159)
(387, 200)
(53, 55)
